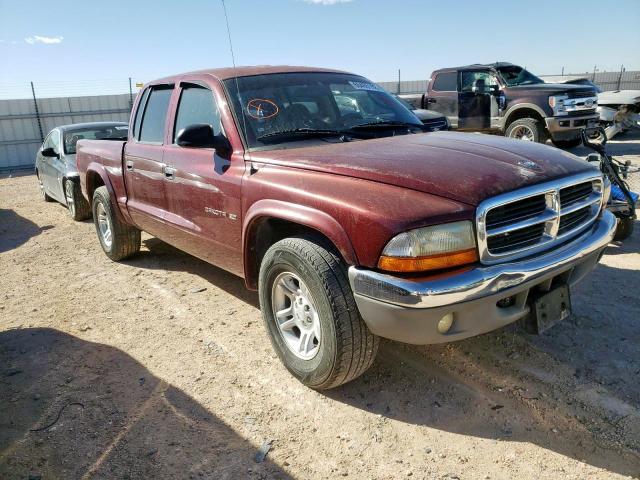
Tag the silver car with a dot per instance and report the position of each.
(56, 162)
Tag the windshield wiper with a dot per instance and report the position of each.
(301, 132)
(372, 125)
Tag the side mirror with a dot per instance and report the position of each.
(200, 135)
(49, 152)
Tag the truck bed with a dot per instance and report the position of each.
(102, 156)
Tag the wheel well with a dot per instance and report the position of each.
(523, 113)
(268, 230)
(93, 181)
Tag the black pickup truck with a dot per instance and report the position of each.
(507, 99)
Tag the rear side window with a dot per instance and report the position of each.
(197, 105)
(446, 82)
(155, 115)
(136, 122)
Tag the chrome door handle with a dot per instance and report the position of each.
(169, 172)
(129, 165)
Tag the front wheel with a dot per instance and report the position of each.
(527, 129)
(43, 192)
(79, 208)
(118, 240)
(311, 315)
(624, 228)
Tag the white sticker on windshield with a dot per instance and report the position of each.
(366, 86)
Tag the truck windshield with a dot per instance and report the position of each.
(514, 76)
(103, 132)
(284, 107)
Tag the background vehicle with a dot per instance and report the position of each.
(505, 98)
(351, 224)
(625, 183)
(619, 110)
(56, 168)
(433, 121)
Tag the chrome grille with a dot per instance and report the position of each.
(535, 218)
(433, 125)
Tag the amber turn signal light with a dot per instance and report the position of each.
(430, 262)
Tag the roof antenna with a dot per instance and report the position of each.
(233, 62)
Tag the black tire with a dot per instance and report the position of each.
(124, 239)
(44, 194)
(624, 228)
(78, 207)
(346, 348)
(536, 131)
(567, 143)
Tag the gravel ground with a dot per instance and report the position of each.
(159, 367)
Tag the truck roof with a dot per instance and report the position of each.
(233, 72)
(475, 66)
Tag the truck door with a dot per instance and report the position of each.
(143, 161)
(477, 100)
(204, 190)
(443, 96)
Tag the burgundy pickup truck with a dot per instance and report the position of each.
(352, 223)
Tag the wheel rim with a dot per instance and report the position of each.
(522, 132)
(296, 315)
(104, 225)
(68, 193)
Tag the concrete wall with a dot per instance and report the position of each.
(20, 135)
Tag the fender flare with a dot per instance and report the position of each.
(98, 169)
(520, 106)
(309, 217)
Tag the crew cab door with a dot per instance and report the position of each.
(204, 189)
(443, 96)
(477, 102)
(143, 161)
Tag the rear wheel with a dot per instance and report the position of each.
(527, 129)
(311, 315)
(118, 240)
(567, 143)
(79, 208)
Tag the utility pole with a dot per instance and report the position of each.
(130, 95)
(620, 77)
(35, 105)
(398, 81)
(563, 71)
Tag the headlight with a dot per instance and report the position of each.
(430, 248)
(557, 102)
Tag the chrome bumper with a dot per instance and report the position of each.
(399, 308)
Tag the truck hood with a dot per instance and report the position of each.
(464, 167)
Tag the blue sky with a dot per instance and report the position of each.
(75, 45)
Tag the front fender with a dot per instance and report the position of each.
(298, 214)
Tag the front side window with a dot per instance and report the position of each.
(155, 115)
(197, 105)
(514, 75)
(446, 82)
(477, 79)
(268, 107)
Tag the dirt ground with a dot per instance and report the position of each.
(159, 367)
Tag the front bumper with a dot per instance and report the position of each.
(409, 309)
(568, 127)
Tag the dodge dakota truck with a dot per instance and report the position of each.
(508, 99)
(351, 225)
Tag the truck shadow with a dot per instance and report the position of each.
(162, 256)
(102, 414)
(573, 391)
(16, 230)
